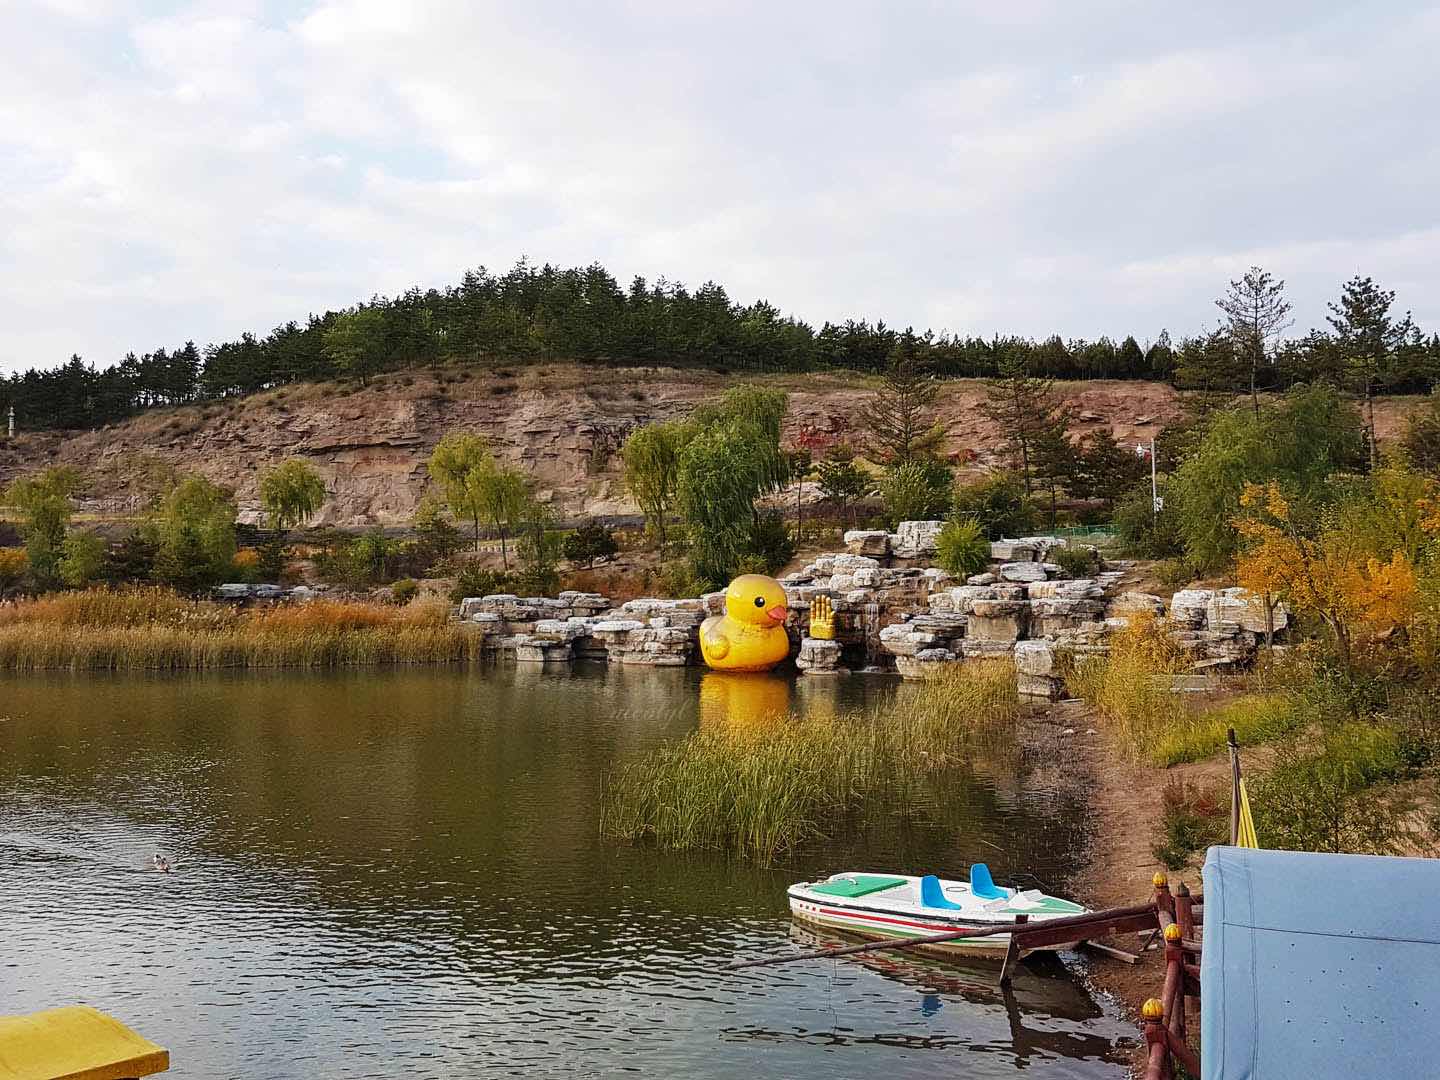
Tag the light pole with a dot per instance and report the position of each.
(1156, 502)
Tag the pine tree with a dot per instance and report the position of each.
(1369, 341)
(1021, 405)
(1208, 364)
(1256, 313)
(899, 415)
(1055, 460)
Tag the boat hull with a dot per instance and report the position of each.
(872, 916)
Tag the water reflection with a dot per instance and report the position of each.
(400, 871)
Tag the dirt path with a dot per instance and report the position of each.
(1125, 801)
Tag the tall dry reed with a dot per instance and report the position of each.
(153, 629)
(1131, 686)
(760, 791)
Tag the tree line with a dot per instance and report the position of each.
(547, 313)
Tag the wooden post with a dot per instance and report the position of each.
(1012, 951)
(1157, 1047)
(1163, 900)
(1234, 785)
(1185, 911)
(1173, 995)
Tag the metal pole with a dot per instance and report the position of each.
(1234, 786)
(1154, 491)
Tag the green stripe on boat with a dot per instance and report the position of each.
(859, 885)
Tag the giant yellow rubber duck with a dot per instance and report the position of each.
(750, 636)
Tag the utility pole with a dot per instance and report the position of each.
(12, 420)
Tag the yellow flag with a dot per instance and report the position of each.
(1246, 837)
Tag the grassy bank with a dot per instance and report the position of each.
(155, 630)
(1347, 763)
(762, 791)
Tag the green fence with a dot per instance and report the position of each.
(1098, 535)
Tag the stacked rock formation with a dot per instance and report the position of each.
(584, 626)
(891, 613)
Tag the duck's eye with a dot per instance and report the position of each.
(759, 601)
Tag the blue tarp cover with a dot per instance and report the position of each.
(1319, 966)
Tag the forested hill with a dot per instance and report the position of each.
(546, 313)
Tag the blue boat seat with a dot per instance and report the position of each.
(983, 886)
(932, 896)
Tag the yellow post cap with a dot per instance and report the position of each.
(1172, 932)
(1160, 880)
(1153, 1009)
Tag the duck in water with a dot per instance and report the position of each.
(159, 862)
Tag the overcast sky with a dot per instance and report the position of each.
(191, 171)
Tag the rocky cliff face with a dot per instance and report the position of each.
(562, 424)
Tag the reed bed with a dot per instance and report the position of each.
(761, 791)
(1130, 686)
(155, 630)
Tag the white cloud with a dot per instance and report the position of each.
(1011, 168)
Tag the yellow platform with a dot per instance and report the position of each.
(75, 1043)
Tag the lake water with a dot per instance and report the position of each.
(398, 872)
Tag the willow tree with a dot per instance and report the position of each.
(652, 471)
(505, 496)
(194, 533)
(291, 493)
(43, 500)
(460, 464)
(731, 460)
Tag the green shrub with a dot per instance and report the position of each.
(82, 558)
(404, 590)
(1192, 819)
(1000, 505)
(1319, 799)
(480, 581)
(678, 581)
(1080, 561)
(961, 548)
(917, 490)
(769, 546)
(1145, 534)
(588, 543)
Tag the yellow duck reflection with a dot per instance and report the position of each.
(739, 700)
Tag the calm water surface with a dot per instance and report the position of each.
(398, 872)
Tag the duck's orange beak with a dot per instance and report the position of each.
(779, 613)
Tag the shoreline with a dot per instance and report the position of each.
(1124, 800)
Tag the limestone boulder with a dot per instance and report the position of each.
(1133, 603)
(958, 600)
(997, 620)
(1188, 607)
(933, 665)
(1013, 551)
(915, 539)
(818, 657)
(1240, 609)
(871, 542)
(1036, 658)
(1022, 571)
